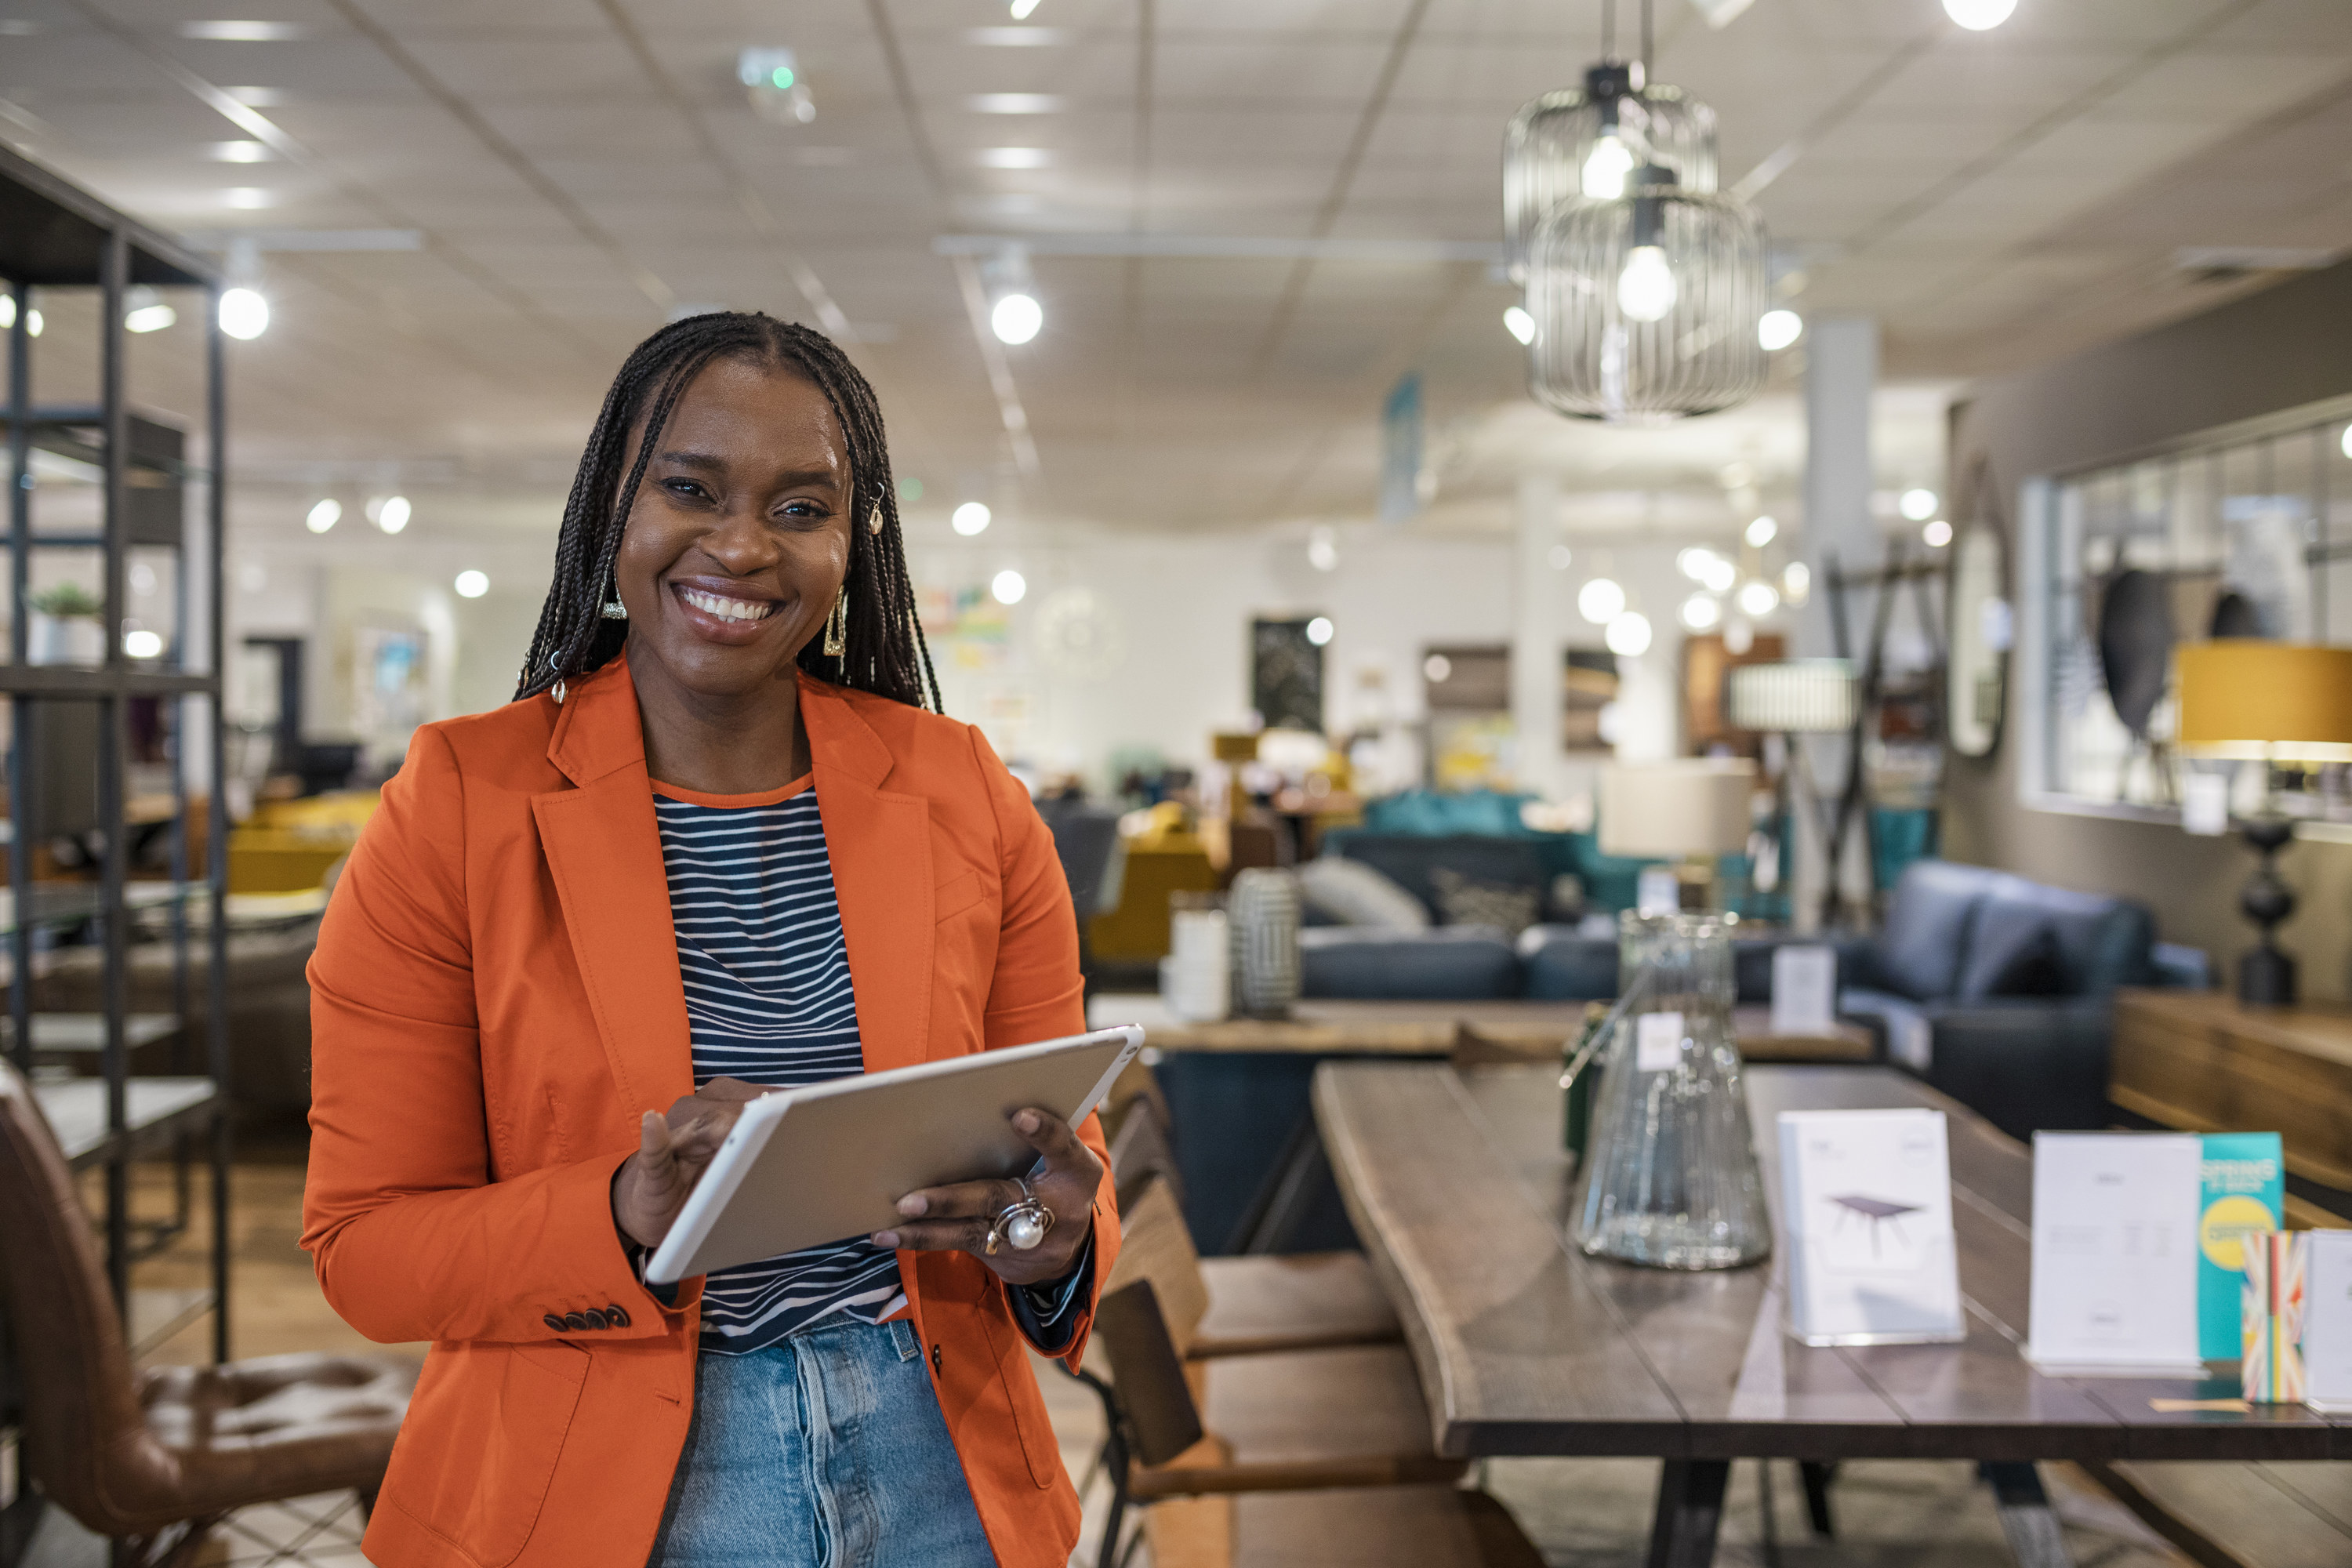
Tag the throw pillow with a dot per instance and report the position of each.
(2013, 958)
(1464, 902)
(1353, 894)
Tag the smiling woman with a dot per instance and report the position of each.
(715, 847)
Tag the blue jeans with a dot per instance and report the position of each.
(828, 1449)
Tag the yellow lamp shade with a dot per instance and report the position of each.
(2245, 697)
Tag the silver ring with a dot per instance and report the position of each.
(1021, 1225)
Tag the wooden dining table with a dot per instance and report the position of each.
(1456, 1183)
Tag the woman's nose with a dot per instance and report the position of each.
(741, 541)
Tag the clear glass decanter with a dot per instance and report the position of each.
(1670, 1180)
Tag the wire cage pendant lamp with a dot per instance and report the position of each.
(1645, 303)
(1588, 141)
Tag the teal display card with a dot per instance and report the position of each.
(2244, 1194)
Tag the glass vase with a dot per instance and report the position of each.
(1671, 1180)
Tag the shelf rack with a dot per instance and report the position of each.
(55, 236)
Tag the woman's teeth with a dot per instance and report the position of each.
(727, 610)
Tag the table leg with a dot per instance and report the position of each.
(2026, 1516)
(1281, 1203)
(1690, 1509)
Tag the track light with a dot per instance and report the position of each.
(33, 319)
(1763, 532)
(243, 313)
(1980, 16)
(388, 513)
(1017, 318)
(969, 519)
(1628, 635)
(324, 515)
(471, 584)
(1601, 601)
(1008, 586)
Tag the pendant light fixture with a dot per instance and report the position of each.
(1645, 304)
(1588, 141)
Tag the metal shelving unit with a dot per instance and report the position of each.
(55, 236)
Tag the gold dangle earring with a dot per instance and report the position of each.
(837, 630)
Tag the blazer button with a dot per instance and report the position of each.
(615, 1318)
(552, 1321)
(575, 1322)
(595, 1318)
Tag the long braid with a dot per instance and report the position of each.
(886, 652)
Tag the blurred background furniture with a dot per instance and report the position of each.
(152, 1461)
(1998, 991)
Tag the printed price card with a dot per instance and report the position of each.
(2328, 1321)
(1866, 1201)
(2114, 1253)
(1804, 990)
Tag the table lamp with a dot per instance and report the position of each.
(1690, 810)
(1794, 699)
(2257, 700)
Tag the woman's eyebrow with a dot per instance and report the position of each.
(710, 463)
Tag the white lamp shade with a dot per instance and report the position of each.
(1692, 806)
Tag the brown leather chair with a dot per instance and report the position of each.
(153, 1459)
(1256, 1303)
(1300, 1458)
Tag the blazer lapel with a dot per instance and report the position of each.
(604, 853)
(880, 846)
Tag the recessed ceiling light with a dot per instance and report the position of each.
(245, 199)
(472, 584)
(1016, 103)
(1017, 38)
(238, 153)
(1014, 157)
(241, 32)
(1008, 585)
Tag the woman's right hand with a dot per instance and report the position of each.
(673, 1152)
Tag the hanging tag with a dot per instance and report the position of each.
(1658, 1042)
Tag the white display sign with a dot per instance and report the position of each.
(1866, 1204)
(2205, 803)
(2328, 1321)
(2114, 1253)
(1804, 990)
(1658, 1042)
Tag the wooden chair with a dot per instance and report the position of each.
(1316, 1427)
(153, 1460)
(1256, 1303)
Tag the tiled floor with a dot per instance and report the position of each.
(1586, 1513)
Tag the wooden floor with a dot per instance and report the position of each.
(1583, 1513)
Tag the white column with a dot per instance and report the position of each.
(1537, 639)
(1840, 373)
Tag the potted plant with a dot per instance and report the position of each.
(65, 628)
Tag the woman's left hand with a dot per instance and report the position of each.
(957, 1218)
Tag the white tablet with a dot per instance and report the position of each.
(832, 1160)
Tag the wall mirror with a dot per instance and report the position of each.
(1980, 622)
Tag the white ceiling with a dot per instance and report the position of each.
(578, 169)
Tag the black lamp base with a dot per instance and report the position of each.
(2266, 975)
(2266, 978)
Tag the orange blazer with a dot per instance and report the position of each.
(496, 998)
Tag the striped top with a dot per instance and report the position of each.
(768, 1000)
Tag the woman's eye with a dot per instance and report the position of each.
(682, 487)
(803, 508)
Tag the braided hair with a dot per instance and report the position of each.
(886, 653)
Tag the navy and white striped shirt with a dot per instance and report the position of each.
(768, 1000)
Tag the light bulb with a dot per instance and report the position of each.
(1758, 598)
(1016, 318)
(1628, 635)
(1918, 505)
(143, 312)
(1702, 612)
(1796, 582)
(143, 643)
(471, 584)
(1980, 16)
(1021, 9)
(1601, 601)
(1605, 168)
(1693, 563)
(1937, 534)
(971, 518)
(1318, 630)
(1519, 324)
(324, 515)
(244, 314)
(1776, 330)
(392, 516)
(1645, 289)
(1008, 586)
(1720, 575)
(1763, 532)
